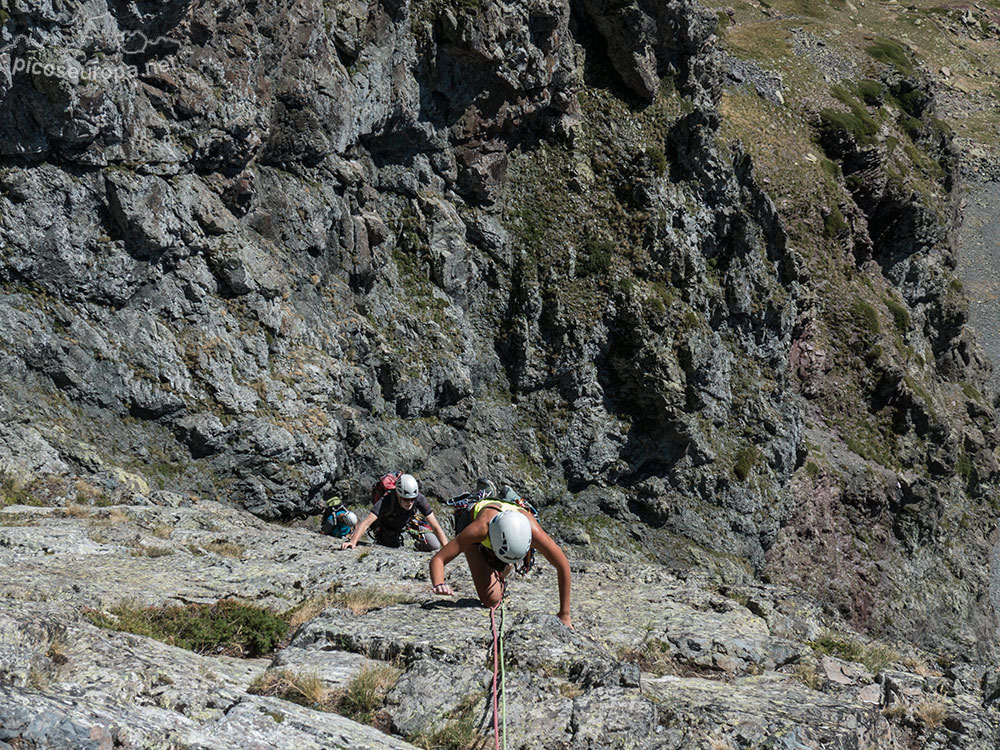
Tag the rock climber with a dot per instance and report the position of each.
(494, 536)
(394, 512)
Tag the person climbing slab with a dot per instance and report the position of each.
(394, 512)
(495, 536)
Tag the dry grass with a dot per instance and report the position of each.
(142, 550)
(218, 547)
(919, 666)
(73, 511)
(570, 689)
(162, 531)
(460, 732)
(652, 656)
(361, 600)
(809, 675)
(112, 517)
(363, 697)
(88, 494)
(930, 713)
(58, 651)
(308, 610)
(304, 688)
(38, 679)
(894, 712)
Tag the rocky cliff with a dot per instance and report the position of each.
(686, 276)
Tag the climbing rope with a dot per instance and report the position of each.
(503, 684)
(498, 671)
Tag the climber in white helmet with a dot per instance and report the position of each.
(494, 536)
(399, 507)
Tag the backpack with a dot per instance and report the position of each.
(339, 522)
(385, 485)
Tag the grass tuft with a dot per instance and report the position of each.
(361, 600)
(226, 627)
(363, 697)
(304, 688)
(875, 657)
(459, 733)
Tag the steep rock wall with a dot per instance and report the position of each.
(307, 241)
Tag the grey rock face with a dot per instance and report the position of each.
(654, 661)
(296, 243)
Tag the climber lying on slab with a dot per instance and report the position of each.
(494, 536)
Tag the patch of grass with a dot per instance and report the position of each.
(365, 599)
(363, 696)
(652, 656)
(460, 733)
(809, 675)
(72, 511)
(900, 315)
(162, 531)
(658, 159)
(13, 491)
(834, 122)
(595, 258)
(304, 688)
(972, 393)
(865, 317)
(875, 657)
(113, 517)
(889, 52)
(930, 713)
(834, 223)
(308, 609)
(224, 549)
(151, 551)
(226, 627)
(746, 458)
(894, 712)
(58, 650)
(88, 494)
(871, 92)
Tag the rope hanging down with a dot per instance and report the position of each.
(498, 673)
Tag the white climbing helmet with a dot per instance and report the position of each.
(349, 517)
(406, 487)
(510, 535)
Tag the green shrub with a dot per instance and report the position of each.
(834, 223)
(595, 258)
(865, 317)
(891, 53)
(225, 627)
(746, 457)
(871, 92)
(900, 315)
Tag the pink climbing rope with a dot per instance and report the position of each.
(496, 671)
